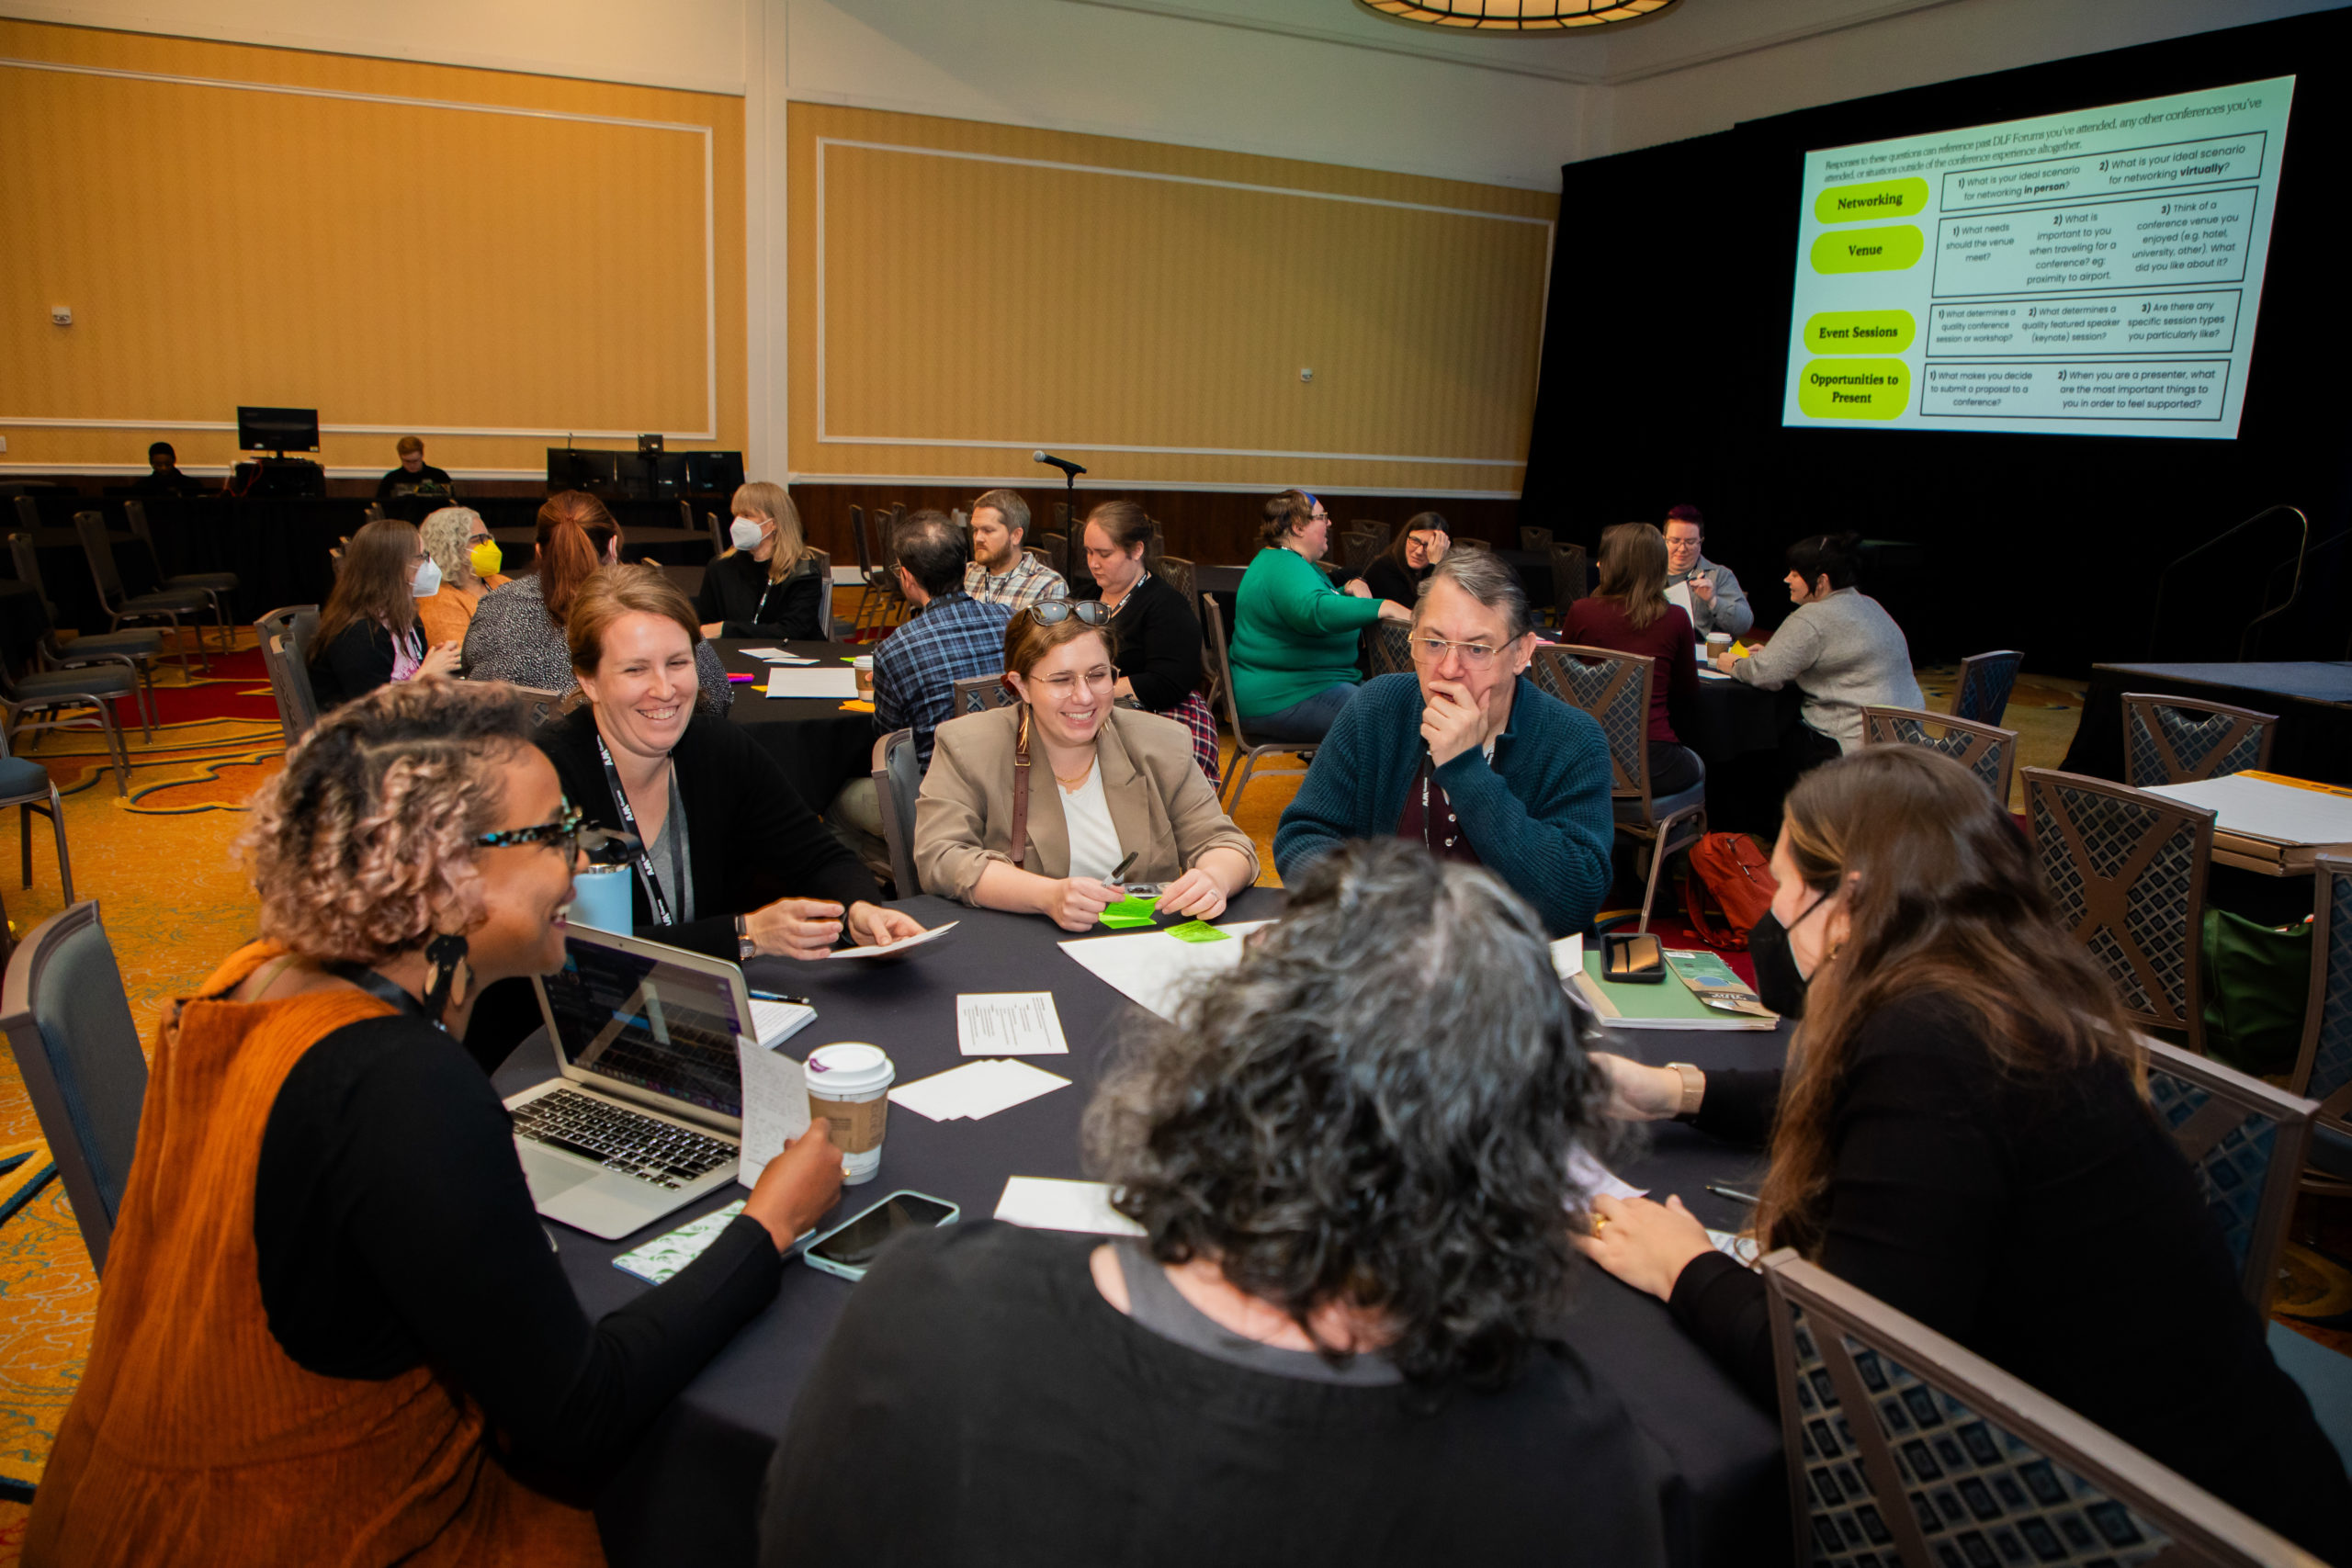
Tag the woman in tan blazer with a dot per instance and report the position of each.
(1104, 783)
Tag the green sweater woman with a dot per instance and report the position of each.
(1294, 635)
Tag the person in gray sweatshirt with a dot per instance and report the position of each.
(1839, 646)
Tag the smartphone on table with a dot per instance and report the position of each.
(850, 1247)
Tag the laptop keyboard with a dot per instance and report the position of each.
(661, 1153)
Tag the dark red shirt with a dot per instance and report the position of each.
(1596, 622)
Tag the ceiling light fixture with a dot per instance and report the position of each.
(1515, 16)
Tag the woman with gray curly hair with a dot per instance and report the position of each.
(1350, 1161)
(332, 1330)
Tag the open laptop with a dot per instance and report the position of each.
(645, 1114)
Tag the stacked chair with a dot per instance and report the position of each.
(219, 587)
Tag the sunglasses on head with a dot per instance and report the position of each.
(1054, 611)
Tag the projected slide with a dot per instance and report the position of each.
(2088, 273)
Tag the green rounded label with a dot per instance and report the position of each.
(1854, 389)
(1879, 199)
(1859, 331)
(1890, 249)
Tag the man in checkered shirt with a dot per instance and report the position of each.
(999, 572)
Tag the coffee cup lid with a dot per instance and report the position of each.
(848, 1068)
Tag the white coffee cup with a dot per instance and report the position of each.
(849, 1090)
(864, 665)
(1718, 644)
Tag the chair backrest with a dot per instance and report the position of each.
(1616, 689)
(26, 556)
(898, 779)
(1357, 552)
(134, 512)
(1177, 572)
(1472, 545)
(2177, 739)
(284, 638)
(1570, 576)
(978, 694)
(1056, 550)
(1538, 540)
(1220, 657)
(2323, 1065)
(1983, 749)
(1390, 647)
(1379, 531)
(865, 549)
(69, 1024)
(27, 513)
(1986, 682)
(2126, 872)
(90, 528)
(2245, 1142)
(1905, 1448)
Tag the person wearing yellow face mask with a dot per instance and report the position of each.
(458, 542)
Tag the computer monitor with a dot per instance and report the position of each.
(714, 473)
(579, 467)
(278, 430)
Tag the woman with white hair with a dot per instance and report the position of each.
(458, 542)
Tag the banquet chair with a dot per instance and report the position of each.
(1177, 572)
(1378, 530)
(2245, 1142)
(1357, 552)
(1907, 1448)
(284, 638)
(2323, 1064)
(1536, 541)
(1570, 577)
(1246, 753)
(1614, 688)
(217, 586)
(1472, 544)
(137, 648)
(68, 1022)
(2169, 740)
(1389, 648)
(52, 695)
(26, 784)
(163, 604)
(1986, 682)
(2125, 870)
(897, 780)
(1983, 749)
(978, 694)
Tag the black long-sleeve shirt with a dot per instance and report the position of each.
(358, 660)
(2050, 1225)
(427, 475)
(394, 1230)
(1159, 644)
(736, 592)
(1397, 584)
(753, 839)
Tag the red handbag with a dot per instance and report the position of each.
(1728, 871)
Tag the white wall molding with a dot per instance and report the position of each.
(1031, 481)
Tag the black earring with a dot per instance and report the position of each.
(443, 957)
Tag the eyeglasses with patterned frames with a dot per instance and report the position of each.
(1433, 649)
(565, 832)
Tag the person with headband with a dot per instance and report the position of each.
(1295, 636)
(769, 583)
(1126, 802)
(368, 633)
(1964, 1132)
(332, 1328)
(459, 543)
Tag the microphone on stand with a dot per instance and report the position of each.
(1068, 468)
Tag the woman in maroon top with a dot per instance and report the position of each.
(1630, 614)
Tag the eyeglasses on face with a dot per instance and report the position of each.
(1433, 649)
(565, 831)
(1054, 611)
(1102, 678)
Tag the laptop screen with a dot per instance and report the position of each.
(649, 1022)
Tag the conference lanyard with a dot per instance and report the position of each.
(653, 897)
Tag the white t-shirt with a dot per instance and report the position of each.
(1093, 837)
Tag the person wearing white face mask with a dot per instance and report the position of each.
(770, 584)
(368, 632)
(1039, 806)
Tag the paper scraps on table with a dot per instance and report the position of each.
(775, 656)
(1047, 1203)
(1009, 1024)
(900, 945)
(1198, 930)
(857, 704)
(1596, 1179)
(785, 681)
(976, 1090)
(1130, 913)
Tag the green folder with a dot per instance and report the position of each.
(1666, 1005)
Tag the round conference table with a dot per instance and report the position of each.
(819, 747)
(689, 1491)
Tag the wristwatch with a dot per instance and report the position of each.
(1694, 1090)
(746, 950)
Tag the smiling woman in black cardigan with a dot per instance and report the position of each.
(1962, 1135)
(1155, 635)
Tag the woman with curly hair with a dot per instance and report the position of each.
(1349, 1162)
(459, 543)
(1963, 1132)
(332, 1330)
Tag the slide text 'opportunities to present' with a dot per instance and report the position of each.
(2091, 272)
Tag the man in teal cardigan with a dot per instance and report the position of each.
(1467, 755)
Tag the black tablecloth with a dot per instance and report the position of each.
(2313, 700)
(819, 747)
(669, 545)
(688, 1493)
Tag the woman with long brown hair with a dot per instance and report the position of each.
(368, 632)
(518, 630)
(1962, 1131)
(1632, 614)
(1397, 572)
(770, 584)
(1154, 637)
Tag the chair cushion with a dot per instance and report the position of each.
(225, 581)
(1629, 807)
(96, 679)
(20, 777)
(169, 599)
(2331, 1151)
(133, 641)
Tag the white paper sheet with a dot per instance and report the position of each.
(816, 680)
(1154, 968)
(1567, 957)
(776, 1104)
(1009, 1024)
(1709, 673)
(1597, 1178)
(900, 945)
(776, 656)
(976, 1090)
(1044, 1203)
(2260, 809)
(779, 1022)
(1680, 593)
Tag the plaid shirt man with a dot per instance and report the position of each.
(1029, 582)
(916, 667)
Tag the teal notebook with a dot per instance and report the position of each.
(1670, 1004)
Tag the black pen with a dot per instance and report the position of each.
(1717, 1188)
(780, 997)
(1120, 870)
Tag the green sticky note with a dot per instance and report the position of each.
(1128, 913)
(1198, 930)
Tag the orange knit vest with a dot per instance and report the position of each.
(194, 1437)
